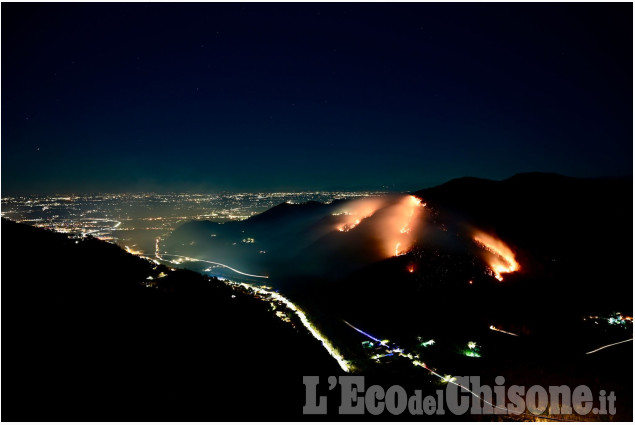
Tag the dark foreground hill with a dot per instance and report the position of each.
(85, 339)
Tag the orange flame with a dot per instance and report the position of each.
(498, 255)
(357, 211)
(398, 225)
(394, 221)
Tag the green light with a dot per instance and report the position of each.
(428, 343)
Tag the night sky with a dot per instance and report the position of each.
(202, 97)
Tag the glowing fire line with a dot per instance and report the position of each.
(501, 258)
(412, 203)
(392, 220)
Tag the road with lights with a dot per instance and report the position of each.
(185, 258)
(609, 345)
(449, 379)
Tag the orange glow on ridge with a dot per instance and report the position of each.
(393, 221)
(398, 225)
(500, 258)
(356, 212)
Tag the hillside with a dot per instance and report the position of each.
(290, 242)
(87, 336)
(572, 238)
(546, 215)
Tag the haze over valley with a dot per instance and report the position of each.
(431, 270)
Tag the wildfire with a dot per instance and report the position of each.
(356, 212)
(349, 226)
(393, 221)
(400, 221)
(413, 203)
(499, 256)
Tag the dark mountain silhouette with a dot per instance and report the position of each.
(550, 221)
(85, 339)
(549, 218)
(573, 239)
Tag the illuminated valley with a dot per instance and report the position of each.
(398, 265)
(137, 219)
